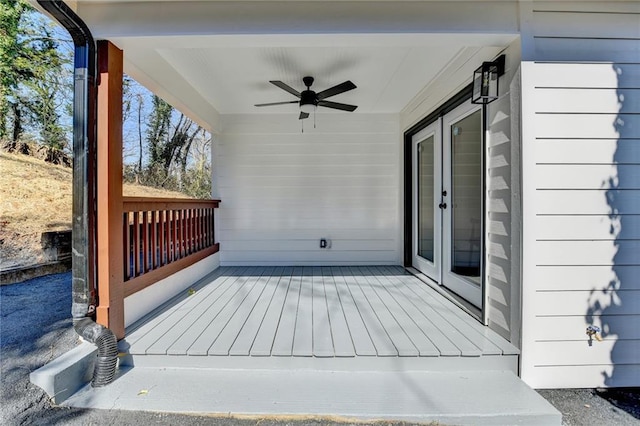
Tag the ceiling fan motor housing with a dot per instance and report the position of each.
(308, 97)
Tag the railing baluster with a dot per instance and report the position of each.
(126, 243)
(161, 222)
(136, 244)
(211, 228)
(185, 233)
(178, 234)
(173, 235)
(169, 236)
(194, 235)
(205, 243)
(192, 227)
(180, 238)
(183, 239)
(145, 242)
(187, 246)
(154, 239)
(175, 243)
(207, 227)
(199, 232)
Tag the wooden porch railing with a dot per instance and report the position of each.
(161, 236)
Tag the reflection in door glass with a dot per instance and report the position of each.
(425, 199)
(466, 158)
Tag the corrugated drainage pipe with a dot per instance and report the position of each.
(84, 137)
(105, 367)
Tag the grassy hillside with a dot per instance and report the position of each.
(35, 197)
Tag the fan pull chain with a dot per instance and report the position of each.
(314, 118)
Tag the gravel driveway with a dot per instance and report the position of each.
(36, 327)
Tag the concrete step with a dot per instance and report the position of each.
(461, 398)
(66, 374)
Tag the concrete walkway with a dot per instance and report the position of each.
(462, 398)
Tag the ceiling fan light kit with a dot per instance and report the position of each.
(307, 108)
(309, 100)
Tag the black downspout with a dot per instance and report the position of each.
(83, 211)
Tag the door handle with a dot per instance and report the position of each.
(442, 205)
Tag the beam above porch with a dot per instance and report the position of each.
(153, 18)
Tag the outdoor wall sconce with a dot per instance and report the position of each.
(485, 81)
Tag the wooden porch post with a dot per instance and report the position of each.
(110, 273)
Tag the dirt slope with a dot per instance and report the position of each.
(35, 197)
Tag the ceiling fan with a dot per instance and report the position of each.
(309, 100)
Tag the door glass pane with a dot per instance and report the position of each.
(425, 199)
(466, 163)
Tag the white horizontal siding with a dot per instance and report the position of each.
(309, 257)
(584, 376)
(586, 100)
(568, 75)
(585, 126)
(303, 234)
(571, 353)
(590, 202)
(586, 50)
(573, 328)
(316, 144)
(599, 7)
(581, 183)
(268, 201)
(334, 124)
(587, 151)
(283, 190)
(588, 176)
(556, 303)
(558, 228)
(311, 244)
(286, 160)
(587, 277)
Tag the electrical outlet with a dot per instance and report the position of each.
(323, 243)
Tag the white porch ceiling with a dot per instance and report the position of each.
(232, 80)
(228, 74)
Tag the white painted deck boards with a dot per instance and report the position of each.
(313, 312)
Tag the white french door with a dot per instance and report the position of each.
(427, 166)
(448, 201)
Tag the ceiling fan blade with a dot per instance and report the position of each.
(336, 90)
(285, 87)
(277, 103)
(337, 105)
(303, 115)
